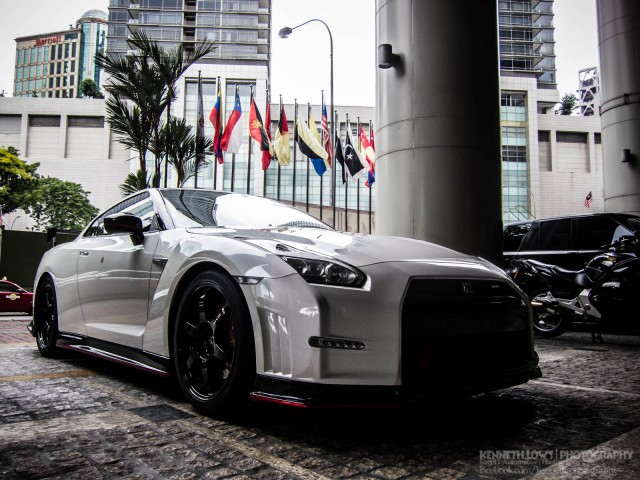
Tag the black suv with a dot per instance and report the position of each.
(569, 242)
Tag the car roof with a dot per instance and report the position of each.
(624, 216)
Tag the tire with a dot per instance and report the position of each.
(45, 319)
(213, 346)
(548, 322)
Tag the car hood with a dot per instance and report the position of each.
(356, 249)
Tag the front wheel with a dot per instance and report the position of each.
(213, 347)
(45, 319)
(548, 321)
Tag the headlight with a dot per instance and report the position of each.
(326, 272)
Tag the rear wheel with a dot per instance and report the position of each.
(213, 347)
(45, 318)
(548, 322)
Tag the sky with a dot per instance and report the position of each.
(300, 63)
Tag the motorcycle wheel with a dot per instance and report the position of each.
(548, 322)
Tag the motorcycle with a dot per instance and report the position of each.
(599, 297)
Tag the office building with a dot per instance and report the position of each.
(54, 64)
(549, 162)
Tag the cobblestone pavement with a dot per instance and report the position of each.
(79, 417)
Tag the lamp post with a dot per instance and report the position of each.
(284, 33)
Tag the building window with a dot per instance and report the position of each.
(18, 73)
(73, 49)
(66, 50)
(571, 137)
(597, 138)
(44, 120)
(85, 122)
(53, 52)
(26, 56)
(59, 68)
(20, 57)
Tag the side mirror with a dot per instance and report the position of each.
(120, 223)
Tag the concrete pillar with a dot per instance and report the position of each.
(438, 118)
(618, 41)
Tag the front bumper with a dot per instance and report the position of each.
(315, 395)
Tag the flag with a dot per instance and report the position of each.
(281, 147)
(257, 130)
(588, 200)
(367, 152)
(351, 157)
(200, 118)
(311, 147)
(371, 139)
(216, 119)
(232, 137)
(326, 135)
(339, 155)
(268, 153)
(313, 129)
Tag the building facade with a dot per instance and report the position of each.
(71, 140)
(53, 65)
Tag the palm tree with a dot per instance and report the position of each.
(134, 182)
(182, 149)
(142, 87)
(171, 65)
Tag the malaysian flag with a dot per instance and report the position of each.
(326, 143)
(588, 200)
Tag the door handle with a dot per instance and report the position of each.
(84, 253)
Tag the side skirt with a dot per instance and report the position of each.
(139, 359)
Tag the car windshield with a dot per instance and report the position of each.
(206, 208)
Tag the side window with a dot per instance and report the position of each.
(7, 287)
(555, 234)
(531, 241)
(140, 206)
(513, 235)
(595, 232)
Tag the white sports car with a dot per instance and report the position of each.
(242, 297)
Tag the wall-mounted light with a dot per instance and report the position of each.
(386, 57)
(625, 155)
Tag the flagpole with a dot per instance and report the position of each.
(308, 118)
(279, 177)
(321, 178)
(370, 185)
(334, 118)
(200, 114)
(358, 183)
(233, 156)
(295, 119)
(249, 156)
(346, 189)
(264, 172)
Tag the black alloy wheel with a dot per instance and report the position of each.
(45, 318)
(213, 345)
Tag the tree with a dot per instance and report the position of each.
(568, 104)
(182, 146)
(142, 87)
(16, 180)
(90, 89)
(134, 182)
(61, 204)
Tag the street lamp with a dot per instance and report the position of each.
(284, 33)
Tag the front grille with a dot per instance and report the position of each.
(458, 328)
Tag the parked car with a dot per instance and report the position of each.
(569, 242)
(244, 297)
(14, 298)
